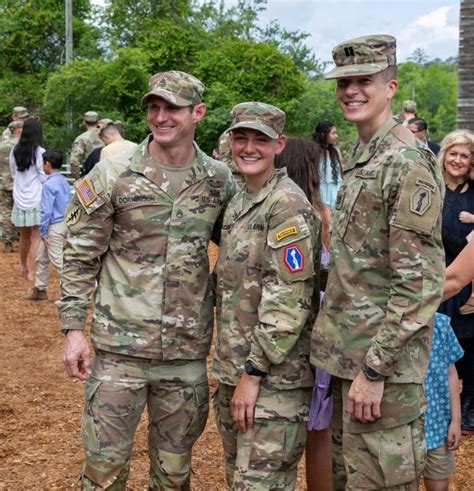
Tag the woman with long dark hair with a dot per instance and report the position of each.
(330, 162)
(301, 157)
(26, 166)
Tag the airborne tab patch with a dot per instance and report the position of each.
(86, 192)
(293, 258)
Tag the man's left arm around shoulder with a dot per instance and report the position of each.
(415, 282)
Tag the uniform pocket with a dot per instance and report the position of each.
(90, 416)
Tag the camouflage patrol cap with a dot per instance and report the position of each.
(258, 116)
(409, 106)
(178, 88)
(20, 112)
(14, 125)
(103, 123)
(366, 55)
(91, 117)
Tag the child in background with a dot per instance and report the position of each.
(443, 417)
(54, 200)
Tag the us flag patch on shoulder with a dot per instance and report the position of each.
(86, 192)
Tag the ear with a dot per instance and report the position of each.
(280, 144)
(198, 112)
(391, 88)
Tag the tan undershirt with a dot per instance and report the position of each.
(175, 174)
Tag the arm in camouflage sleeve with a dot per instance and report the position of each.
(88, 239)
(77, 157)
(230, 190)
(286, 296)
(416, 264)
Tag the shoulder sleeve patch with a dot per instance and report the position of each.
(89, 194)
(292, 249)
(419, 205)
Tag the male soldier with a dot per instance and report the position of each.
(19, 113)
(140, 224)
(113, 140)
(225, 155)
(419, 128)
(407, 111)
(265, 279)
(385, 280)
(85, 143)
(9, 232)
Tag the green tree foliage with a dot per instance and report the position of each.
(433, 86)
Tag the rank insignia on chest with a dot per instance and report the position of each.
(420, 200)
(86, 192)
(293, 258)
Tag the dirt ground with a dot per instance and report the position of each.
(40, 407)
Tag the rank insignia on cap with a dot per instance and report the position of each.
(285, 233)
(294, 258)
(86, 192)
(420, 200)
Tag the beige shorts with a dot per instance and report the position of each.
(440, 463)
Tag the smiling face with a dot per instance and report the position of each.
(366, 101)
(254, 153)
(457, 162)
(172, 125)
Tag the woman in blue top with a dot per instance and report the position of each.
(330, 162)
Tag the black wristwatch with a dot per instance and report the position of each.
(371, 374)
(251, 369)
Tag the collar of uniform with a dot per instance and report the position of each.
(371, 147)
(248, 200)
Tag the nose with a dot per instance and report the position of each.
(352, 88)
(249, 147)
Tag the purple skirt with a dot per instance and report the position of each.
(320, 414)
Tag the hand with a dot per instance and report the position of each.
(75, 355)
(364, 398)
(243, 401)
(454, 436)
(466, 217)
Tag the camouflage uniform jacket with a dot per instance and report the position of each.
(387, 261)
(82, 147)
(263, 304)
(147, 250)
(6, 181)
(7, 135)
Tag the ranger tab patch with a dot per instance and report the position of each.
(293, 258)
(86, 192)
(286, 232)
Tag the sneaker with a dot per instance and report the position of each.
(8, 247)
(468, 307)
(37, 295)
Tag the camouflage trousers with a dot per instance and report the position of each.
(9, 232)
(267, 455)
(177, 398)
(389, 453)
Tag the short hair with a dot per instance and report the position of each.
(419, 122)
(457, 137)
(54, 158)
(390, 73)
(109, 129)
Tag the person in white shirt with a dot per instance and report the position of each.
(26, 167)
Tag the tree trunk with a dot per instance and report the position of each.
(465, 113)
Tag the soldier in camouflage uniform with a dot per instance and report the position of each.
(9, 233)
(225, 155)
(19, 114)
(385, 281)
(139, 228)
(85, 143)
(265, 276)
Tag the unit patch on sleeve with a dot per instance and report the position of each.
(293, 258)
